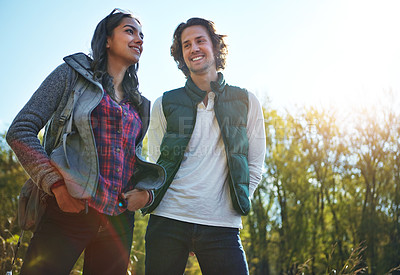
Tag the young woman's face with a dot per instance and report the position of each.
(125, 45)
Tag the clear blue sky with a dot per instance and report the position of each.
(295, 52)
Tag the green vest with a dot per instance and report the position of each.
(231, 108)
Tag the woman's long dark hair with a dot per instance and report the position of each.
(130, 83)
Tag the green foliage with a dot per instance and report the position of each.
(12, 177)
(329, 201)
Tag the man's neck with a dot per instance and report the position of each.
(203, 81)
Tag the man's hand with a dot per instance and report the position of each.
(136, 199)
(65, 201)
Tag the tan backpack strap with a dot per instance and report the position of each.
(66, 116)
(80, 87)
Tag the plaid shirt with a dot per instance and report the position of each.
(115, 127)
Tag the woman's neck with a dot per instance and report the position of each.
(118, 74)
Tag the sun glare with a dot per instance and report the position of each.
(345, 57)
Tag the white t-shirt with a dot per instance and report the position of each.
(199, 192)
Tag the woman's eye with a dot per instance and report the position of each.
(129, 31)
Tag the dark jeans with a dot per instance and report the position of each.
(168, 243)
(61, 238)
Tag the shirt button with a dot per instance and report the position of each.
(119, 131)
(125, 113)
(118, 150)
(115, 188)
(118, 170)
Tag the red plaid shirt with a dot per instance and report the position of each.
(115, 127)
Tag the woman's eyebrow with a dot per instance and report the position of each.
(134, 28)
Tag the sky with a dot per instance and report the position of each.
(290, 52)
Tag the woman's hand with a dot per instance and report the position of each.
(136, 199)
(65, 201)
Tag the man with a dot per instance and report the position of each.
(210, 138)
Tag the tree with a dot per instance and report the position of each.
(370, 145)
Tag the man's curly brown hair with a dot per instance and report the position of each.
(219, 45)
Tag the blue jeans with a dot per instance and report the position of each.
(61, 237)
(168, 243)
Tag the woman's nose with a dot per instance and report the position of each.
(139, 40)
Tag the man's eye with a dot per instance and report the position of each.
(186, 46)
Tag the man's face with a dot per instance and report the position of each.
(197, 50)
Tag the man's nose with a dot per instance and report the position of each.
(195, 48)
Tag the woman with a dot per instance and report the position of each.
(110, 119)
